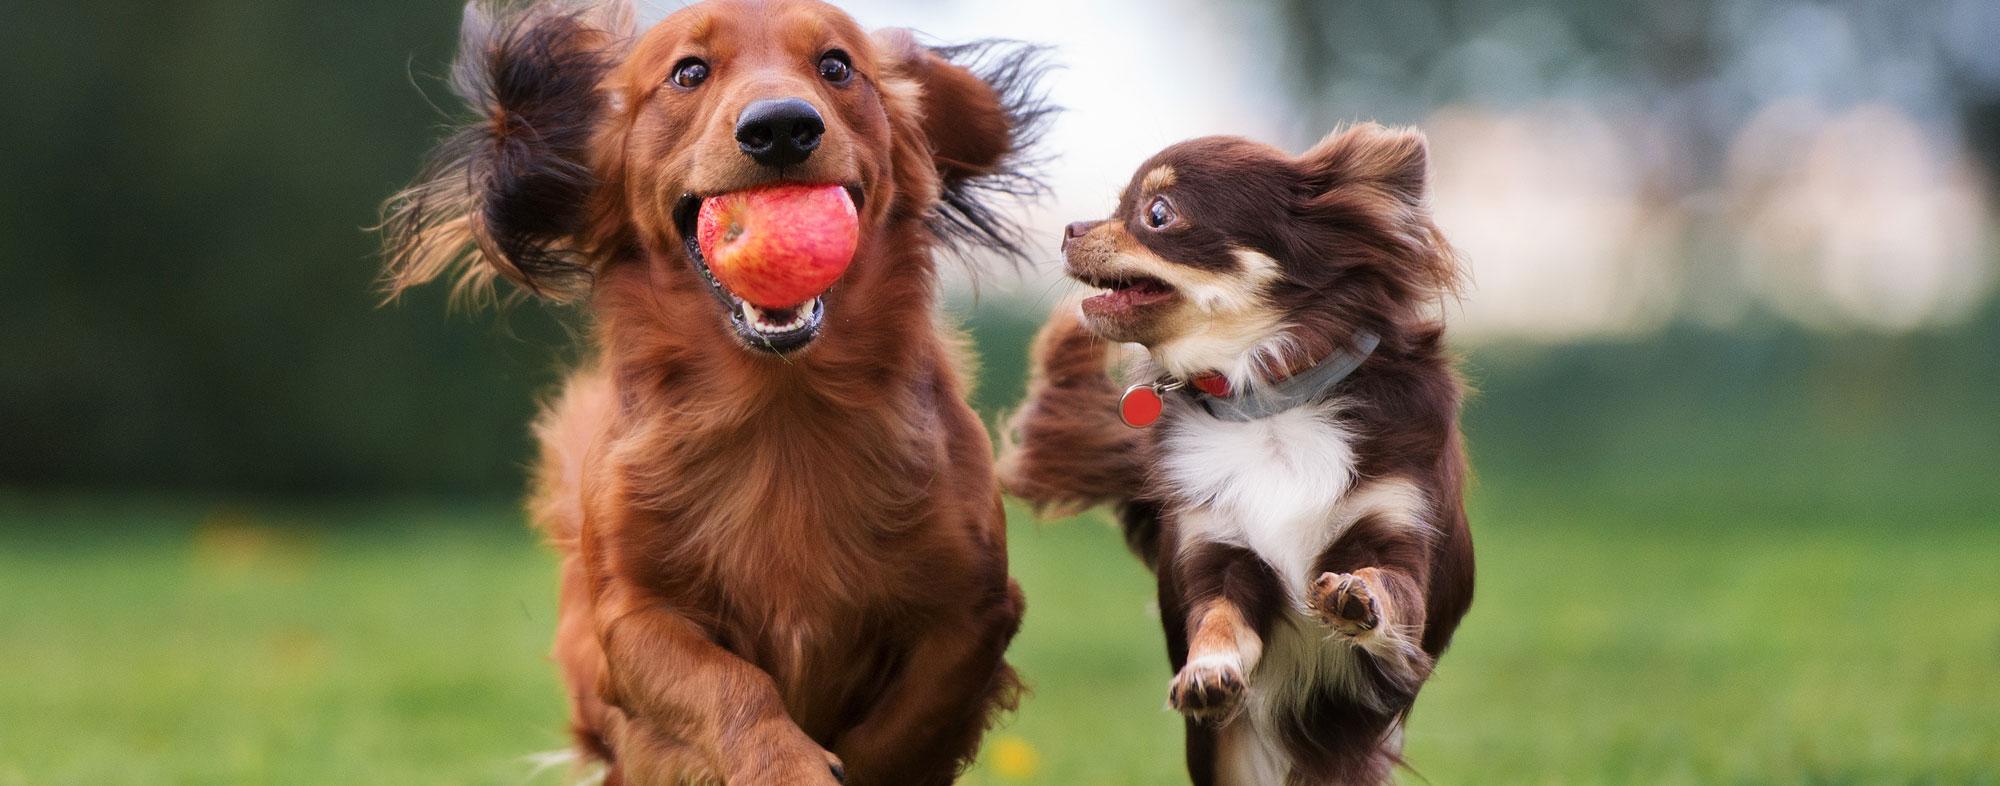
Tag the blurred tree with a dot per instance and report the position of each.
(186, 191)
(1703, 67)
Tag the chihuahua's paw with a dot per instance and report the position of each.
(1343, 602)
(1208, 688)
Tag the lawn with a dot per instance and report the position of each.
(175, 643)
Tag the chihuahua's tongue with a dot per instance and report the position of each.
(1127, 297)
(781, 245)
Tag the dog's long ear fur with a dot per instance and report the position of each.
(1369, 199)
(506, 194)
(984, 114)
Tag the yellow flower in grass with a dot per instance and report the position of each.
(1013, 758)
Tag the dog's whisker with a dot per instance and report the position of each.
(1069, 285)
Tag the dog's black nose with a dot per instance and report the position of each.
(779, 131)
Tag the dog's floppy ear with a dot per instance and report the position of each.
(506, 194)
(1373, 184)
(981, 110)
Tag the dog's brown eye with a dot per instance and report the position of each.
(690, 73)
(833, 67)
(1159, 213)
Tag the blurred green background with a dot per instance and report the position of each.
(1736, 506)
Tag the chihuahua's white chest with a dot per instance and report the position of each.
(1270, 485)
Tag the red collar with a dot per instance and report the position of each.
(1212, 383)
(1141, 405)
(1217, 385)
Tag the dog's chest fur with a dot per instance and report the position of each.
(1280, 487)
(1271, 485)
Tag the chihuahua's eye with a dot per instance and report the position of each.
(690, 73)
(1159, 213)
(834, 67)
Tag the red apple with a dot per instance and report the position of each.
(781, 245)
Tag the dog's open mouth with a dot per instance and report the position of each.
(1124, 293)
(777, 330)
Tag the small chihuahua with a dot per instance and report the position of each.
(1287, 458)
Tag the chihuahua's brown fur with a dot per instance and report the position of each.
(1312, 564)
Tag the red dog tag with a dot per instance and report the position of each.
(1140, 406)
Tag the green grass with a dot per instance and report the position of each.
(173, 644)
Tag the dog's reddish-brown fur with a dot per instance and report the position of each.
(776, 569)
(1347, 245)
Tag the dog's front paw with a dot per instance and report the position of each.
(1343, 602)
(817, 770)
(1207, 688)
(785, 757)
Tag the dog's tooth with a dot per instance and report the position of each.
(760, 320)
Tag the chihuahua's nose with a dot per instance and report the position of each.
(779, 132)
(1076, 229)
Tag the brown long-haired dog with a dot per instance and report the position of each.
(783, 552)
(1300, 495)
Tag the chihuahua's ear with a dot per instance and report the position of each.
(1370, 189)
(1395, 161)
(980, 110)
(506, 194)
